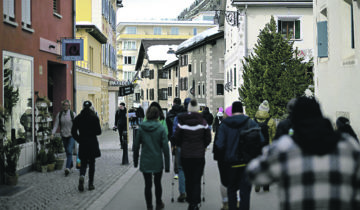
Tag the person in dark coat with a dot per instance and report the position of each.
(193, 135)
(285, 126)
(121, 122)
(154, 155)
(208, 116)
(343, 126)
(86, 127)
(140, 115)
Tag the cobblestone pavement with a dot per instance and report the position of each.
(52, 190)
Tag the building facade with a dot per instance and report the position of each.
(130, 35)
(294, 18)
(337, 58)
(31, 34)
(202, 59)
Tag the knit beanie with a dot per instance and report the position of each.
(87, 104)
(305, 109)
(237, 107)
(122, 104)
(186, 103)
(193, 106)
(264, 106)
(228, 111)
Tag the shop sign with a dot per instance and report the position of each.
(126, 90)
(72, 49)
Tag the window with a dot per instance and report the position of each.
(56, 6)
(18, 77)
(163, 94)
(234, 76)
(176, 71)
(184, 60)
(26, 14)
(169, 91)
(189, 67)
(199, 89)
(174, 31)
(219, 89)
(176, 91)
(157, 30)
(194, 31)
(151, 94)
(129, 45)
(130, 30)
(137, 96)
(169, 72)
(129, 60)
(9, 12)
(289, 27)
(203, 89)
(147, 94)
(91, 58)
(202, 67)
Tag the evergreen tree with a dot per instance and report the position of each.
(273, 72)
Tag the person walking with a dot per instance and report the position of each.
(121, 123)
(64, 120)
(218, 118)
(285, 127)
(227, 144)
(316, 167)
(140, 114)
(193, 135)
(222, 166)
(268, 129)
(208, 116)
(85, 129)
(152, 138)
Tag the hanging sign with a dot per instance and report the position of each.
(72, 49)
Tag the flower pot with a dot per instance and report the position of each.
(44, 169)
(51, 167)
(59, 164)
(11, 180)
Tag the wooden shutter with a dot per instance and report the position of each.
(297, 29)
(279, 26)
(322, 39)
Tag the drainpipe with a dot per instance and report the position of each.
(74, 63)
(246, 32)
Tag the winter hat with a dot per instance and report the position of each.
(221, 109)
(305, 109)
(237, 107)
(228, 111)
(264, 106)
(186, 103)
(193, 106)
(87, 104)
(122, 104)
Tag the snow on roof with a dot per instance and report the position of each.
(159, 52)
(198, 38)
(170, 60)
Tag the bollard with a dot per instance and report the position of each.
(124, 144)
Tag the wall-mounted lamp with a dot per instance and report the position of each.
(232, 17)
(119, 3)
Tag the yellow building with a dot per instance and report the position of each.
(96, 25)
(130, 35)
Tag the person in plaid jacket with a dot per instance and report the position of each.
(316, 167)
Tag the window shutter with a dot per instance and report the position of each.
(322, 39)
(297, 29)
(9, 8)
(279, 26)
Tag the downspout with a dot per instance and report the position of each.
(246, 32)
(74, 67)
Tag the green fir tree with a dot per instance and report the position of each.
(273, 72)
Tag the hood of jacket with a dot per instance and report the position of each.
(150, 125)
(262, 115)
(176, 109)
(315, 136)
(191, 118)
(236, 121)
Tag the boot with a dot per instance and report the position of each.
(160, 207)
(181, 198)
(91, 185)
(257, 188)
(81, 183)
(266, 188)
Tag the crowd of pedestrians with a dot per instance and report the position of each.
(315, 162)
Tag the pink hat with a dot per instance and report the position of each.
(228, 111)
(221, 109)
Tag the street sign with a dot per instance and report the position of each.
(72, 49)
(126, 90)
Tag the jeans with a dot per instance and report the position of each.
(193, 170)
(148, 188)
(237, 180)
(84, 163)
(68, 143)
(180, 171)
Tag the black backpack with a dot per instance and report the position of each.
(264, 130)
(250, 143)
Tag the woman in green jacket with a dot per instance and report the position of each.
(154, 152)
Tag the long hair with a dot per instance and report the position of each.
(157, 105)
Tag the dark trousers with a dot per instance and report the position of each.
(121, 129)
(84, 163)
(193, 170)
(237, 180)
(148, 186)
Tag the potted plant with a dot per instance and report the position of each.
(58, 148)
(42, 157)
(12, 152)
(50, 160)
